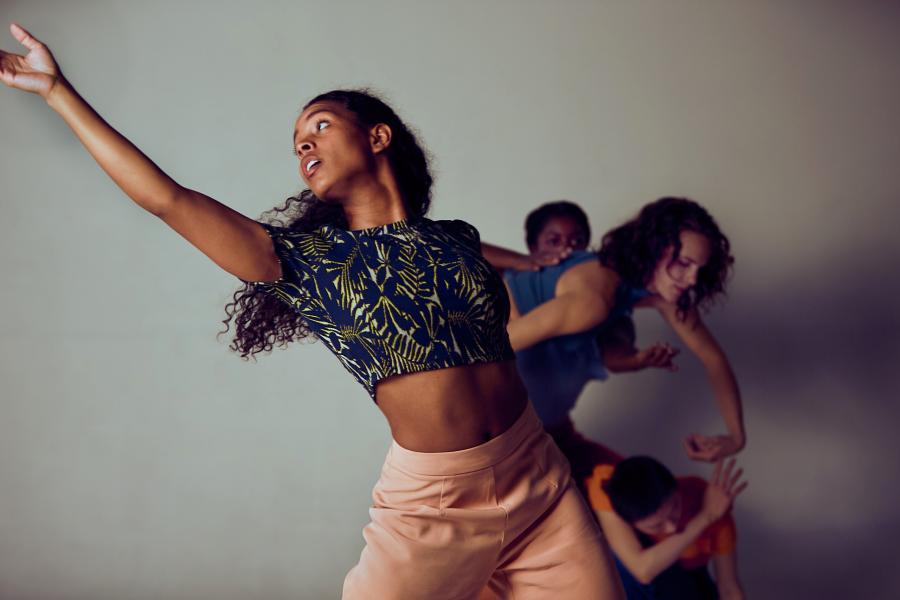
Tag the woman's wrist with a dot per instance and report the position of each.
(58, 92)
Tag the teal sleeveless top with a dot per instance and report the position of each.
(555, 371)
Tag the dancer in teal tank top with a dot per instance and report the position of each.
(570, 322)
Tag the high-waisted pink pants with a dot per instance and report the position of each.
(500, 520)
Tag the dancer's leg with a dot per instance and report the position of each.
(553, 547)
(445, 524)
(423, 544)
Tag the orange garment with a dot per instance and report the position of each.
(717, 539)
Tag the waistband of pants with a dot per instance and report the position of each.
(471, 459)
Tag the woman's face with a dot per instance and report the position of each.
(665, 521)
(559, 233)
(676, 274)
(334, 151)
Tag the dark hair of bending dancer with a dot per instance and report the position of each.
(474, 499)
(671, 257)
(665, 530)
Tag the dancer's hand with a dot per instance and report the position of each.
(659, 356)
(546, 259)
(721, 491)
(711, 448)
(36, 72)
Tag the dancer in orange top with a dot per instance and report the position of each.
(665, 530)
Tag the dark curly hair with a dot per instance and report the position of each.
(262, 322)
(536, 219)
(634, 249)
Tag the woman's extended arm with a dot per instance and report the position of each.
(584, 296)
(695, 335)
(617, 346)
(234, 242)
(503, 258)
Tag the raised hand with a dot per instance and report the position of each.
(711, 448)
(722, 489)
(36, 72)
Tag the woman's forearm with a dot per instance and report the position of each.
(129, 168)
(730, 592)
(728, 397)
(237, 244)
(694, 333)
(652, 561)
(502, 258)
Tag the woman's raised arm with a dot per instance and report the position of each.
(234, 242)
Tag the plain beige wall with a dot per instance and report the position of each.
(140, 459)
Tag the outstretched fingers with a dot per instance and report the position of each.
(717, 472)
(726, 473)
(24, 38)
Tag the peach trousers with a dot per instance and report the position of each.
(500, 520)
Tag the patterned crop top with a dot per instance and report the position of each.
(405, 297)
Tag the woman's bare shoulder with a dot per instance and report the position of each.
(590, 276)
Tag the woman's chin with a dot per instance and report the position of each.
(671, 296)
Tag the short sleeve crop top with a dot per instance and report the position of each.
(409, 296)
(555, 371)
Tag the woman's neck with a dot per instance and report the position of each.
(375, 202)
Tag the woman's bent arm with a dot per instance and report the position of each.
(694, 333)
(585, 294)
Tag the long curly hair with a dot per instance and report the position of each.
(262, 322)
(633, 250)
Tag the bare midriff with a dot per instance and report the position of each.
(454, 408)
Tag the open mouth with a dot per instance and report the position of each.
(311, 165)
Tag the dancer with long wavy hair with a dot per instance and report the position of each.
(474, 499)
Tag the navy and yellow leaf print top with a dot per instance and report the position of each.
(410, 296)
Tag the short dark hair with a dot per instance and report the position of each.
(638, 487)
(537, 219)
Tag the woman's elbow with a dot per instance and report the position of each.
(163, 204)
(643, 577)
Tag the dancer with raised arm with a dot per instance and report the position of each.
(570, 322)
(474, 499)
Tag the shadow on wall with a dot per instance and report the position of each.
(816, 358)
